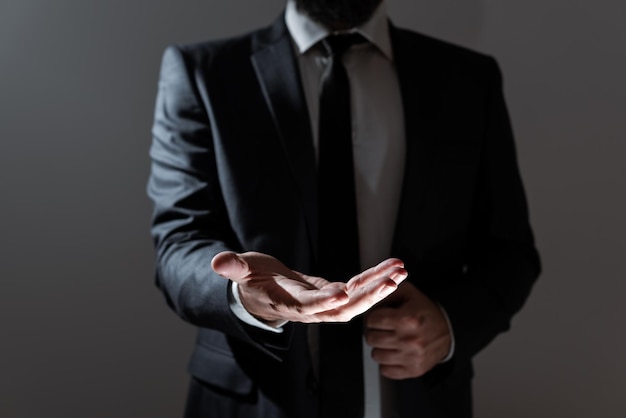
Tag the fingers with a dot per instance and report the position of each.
(361, 300)
(367, 289)
(399, 364)
(387, 357)
(392, 268)
(396, 372)
(401, 357)
(309, 303)
(382, 319)
(381, 339)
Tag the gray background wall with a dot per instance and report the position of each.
(83, 332)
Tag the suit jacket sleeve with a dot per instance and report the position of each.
(190, 223)
(502, 263)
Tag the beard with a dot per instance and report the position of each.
(341, 14)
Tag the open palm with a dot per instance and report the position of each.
(272, 292)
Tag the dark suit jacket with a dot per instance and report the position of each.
(233, 169)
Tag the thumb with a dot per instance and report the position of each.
(230, 265)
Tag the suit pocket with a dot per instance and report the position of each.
(219, 369)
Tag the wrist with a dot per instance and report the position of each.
(242, 312)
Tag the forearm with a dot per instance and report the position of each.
(189, 223)
(191, 288)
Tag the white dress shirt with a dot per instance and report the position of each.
(378, 142)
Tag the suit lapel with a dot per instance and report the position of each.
(278, 74)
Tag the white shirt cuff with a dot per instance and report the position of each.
(234, 301)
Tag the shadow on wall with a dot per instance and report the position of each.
(457, 21)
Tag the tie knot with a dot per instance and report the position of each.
(337, 44)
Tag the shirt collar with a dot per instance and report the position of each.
(306, 32)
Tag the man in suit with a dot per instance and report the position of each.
(237, 152)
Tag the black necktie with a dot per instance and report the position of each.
(341, 362)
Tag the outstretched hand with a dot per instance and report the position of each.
(274, 293)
